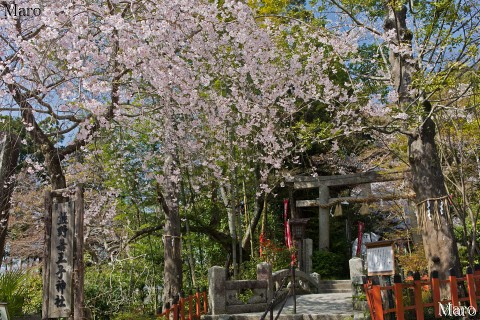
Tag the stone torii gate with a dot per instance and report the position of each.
(324, 202)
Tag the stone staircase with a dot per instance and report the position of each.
(332, 302)
(335, 286)
(323, 306)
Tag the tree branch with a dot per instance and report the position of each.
(161, 199)
(67, 130)
(27, 115)
(357, 22)
(33, 34)
(144, 232)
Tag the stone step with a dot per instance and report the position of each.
(334, 290)
(346, 316)
(335, 284)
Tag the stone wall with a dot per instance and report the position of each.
(239, 296)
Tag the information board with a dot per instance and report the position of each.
(3, 312)
(380, 258)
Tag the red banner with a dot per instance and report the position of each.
(288, 233)
(289, 237)
(262, 243)
(285, 220)
(361, 228)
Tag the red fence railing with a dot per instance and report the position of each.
(187, 308)
(407, 296)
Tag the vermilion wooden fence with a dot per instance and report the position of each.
(470, 286)
(187, 308)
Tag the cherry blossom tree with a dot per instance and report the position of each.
(227, 97)
(211, 81)
(60, 74)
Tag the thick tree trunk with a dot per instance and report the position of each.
(9, 152)
(428, 183)
(402, 65)
(53, 156)
(54, 169)
(172, 271)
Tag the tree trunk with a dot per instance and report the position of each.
(172, 271)
(8, 161)
(247, 243)
(428, 183)
(54, 169)
(53, 156)
(230, 206)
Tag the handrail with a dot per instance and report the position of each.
(300, 275)
(195, 303)
(274, 301)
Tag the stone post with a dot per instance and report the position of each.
(356, 269)
(356, 275)
(264, 272)
(307, 255)
(323, 218)
(316, 277)
(216, 290)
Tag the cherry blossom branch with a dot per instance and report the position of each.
(29, 119)
(109, 114)
(15, 50)
(34, 33)
(67, 130)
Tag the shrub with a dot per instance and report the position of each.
(329, 265)
(13, 291)
(119, 289)
(33, 293)
(414, 261)
(132, 315)
(276, 254)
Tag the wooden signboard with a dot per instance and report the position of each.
(61, 259)
(63, 262)
(380, 258)
(3, 311)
